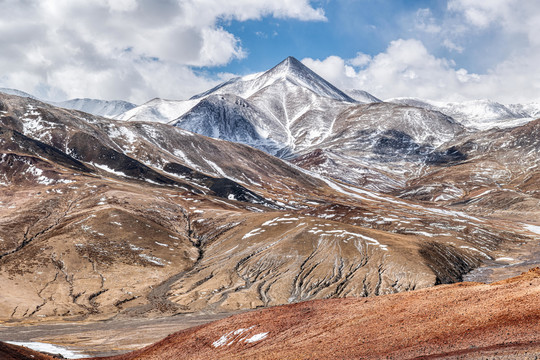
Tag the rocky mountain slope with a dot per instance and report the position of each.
(458, 321)
(271, 189)
(290, 112)
(101, 217)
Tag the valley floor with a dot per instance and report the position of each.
(104, 338)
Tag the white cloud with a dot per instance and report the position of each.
(450, 45)
(499, 38)
(407, 69)
(128, 49)
(361, 59)
(425, 21)
(483, 13)
(511, 16)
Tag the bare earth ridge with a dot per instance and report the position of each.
(458, 321)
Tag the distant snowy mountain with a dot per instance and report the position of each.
(291, 112)
(362, 96)
(158, 110)
(479, 114)
(104, 108)
(531, 110)
(290, 73)
(17, 93)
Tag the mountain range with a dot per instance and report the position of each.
(269, 189)
(106, 108)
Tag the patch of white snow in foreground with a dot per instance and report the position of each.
(504, 259)
(533, 228)
(256, 337)
(239, 336)
(229, 338)
(51, 349)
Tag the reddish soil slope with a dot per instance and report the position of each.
(13, 352)
(465, 321)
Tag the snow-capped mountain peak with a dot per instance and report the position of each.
(294, 71)
(290, 70)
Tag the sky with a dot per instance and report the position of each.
(136, 50)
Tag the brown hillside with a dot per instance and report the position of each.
(465, 321)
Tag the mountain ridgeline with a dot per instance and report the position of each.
(269, 189)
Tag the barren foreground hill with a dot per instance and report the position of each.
(464, 320)
(458, 321)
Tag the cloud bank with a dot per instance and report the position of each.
(139, 49)
(126, 49)
(407, 68)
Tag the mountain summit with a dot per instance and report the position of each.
(290, 70)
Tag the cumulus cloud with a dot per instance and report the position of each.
(408, 69)
(425, 21)
(128, 49)
(450, 45)
(512, 16)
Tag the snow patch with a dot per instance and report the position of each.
(152, 259)
(50, 348)
(256, 337)
(253, 232)
(108, 169)
(229, 338)
(533, 228)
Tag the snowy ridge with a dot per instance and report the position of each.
(232, 118)
(362, 96)
(479, 114)
(17, 93)
(289, 69)
(105, 108)
(158, 110)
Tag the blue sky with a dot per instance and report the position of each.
(366, 26)
(362, 25)
(447, 50)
